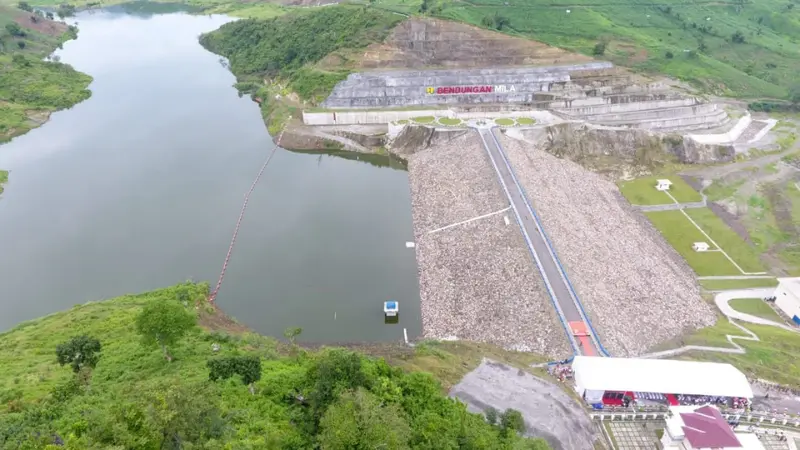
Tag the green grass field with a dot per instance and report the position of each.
(719, 285)
(740, 251)
(424, 119)
(525, 121)
(642, 191)
(449, 121)
(775, 357)
(681, 234)
(504, 122)
(755, 306)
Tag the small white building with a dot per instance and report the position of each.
(704, 428)
(787, 297)
(700, 246)
(663, 185)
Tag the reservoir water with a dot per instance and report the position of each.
(140, 187)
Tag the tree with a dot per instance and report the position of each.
(164, 323)
(291, 333)
(511, 422)
(49, 15)
(794, 94)
(491, 415)
(737, 38)
(79, 352)
(669, 55)
(14, 29)
(599, 49)
(247, 367)
(20, 60)
(357, 420)
(21, 45)
(25, 6)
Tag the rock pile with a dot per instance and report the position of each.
(477, 280)
(637, 290)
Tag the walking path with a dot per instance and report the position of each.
(721, 300)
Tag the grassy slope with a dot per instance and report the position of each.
(639, 35)
(714, 285)
(775, 357)
(755, 306)
(3, 179)
(32, 87)
(128, 372)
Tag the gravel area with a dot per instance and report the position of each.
(477, 280)
(636, 288)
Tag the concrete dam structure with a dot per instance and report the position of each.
(594, 92)
(453, 87)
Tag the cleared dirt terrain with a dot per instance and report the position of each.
(419, 43)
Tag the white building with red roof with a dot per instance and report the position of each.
(704, 428)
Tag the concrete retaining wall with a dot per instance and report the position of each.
(368, 117)
(399, 88)
(610, 108)
(724, 138)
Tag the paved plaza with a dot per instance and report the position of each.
(635, 435)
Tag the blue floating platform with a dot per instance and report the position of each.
(390, 308)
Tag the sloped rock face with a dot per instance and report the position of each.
(413, 139)
(617, 150)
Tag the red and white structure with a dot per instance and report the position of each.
(704, 428)
(609, 381)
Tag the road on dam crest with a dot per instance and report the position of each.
(565, 303)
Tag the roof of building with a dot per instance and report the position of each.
(660, 376)
(664, 181)
(791, 284)
(706, 428)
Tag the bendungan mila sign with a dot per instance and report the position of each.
(451, 90)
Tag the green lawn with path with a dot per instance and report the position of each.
(505, 122)
(776, 357)
(756, 307)
(525, 121)
(642, 191)
(745, 255)
(681, 234)
(719, 285)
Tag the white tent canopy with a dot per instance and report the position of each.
(659, 376)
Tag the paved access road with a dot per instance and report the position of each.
(547, 264)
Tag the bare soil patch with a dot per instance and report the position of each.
(44, 26)
(427, 43)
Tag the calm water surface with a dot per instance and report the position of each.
(140, 187)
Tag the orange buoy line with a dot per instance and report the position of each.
(213, 295)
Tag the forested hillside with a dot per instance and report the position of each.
(30, 87)
(137, 372)
(285, 47)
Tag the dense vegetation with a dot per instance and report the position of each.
(135, 372)
(3, 179)
(284, 47)
(31, 88)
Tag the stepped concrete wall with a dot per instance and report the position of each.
(404, 88)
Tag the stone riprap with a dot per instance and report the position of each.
(637, 290)
(411, 87)
(477, 280)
